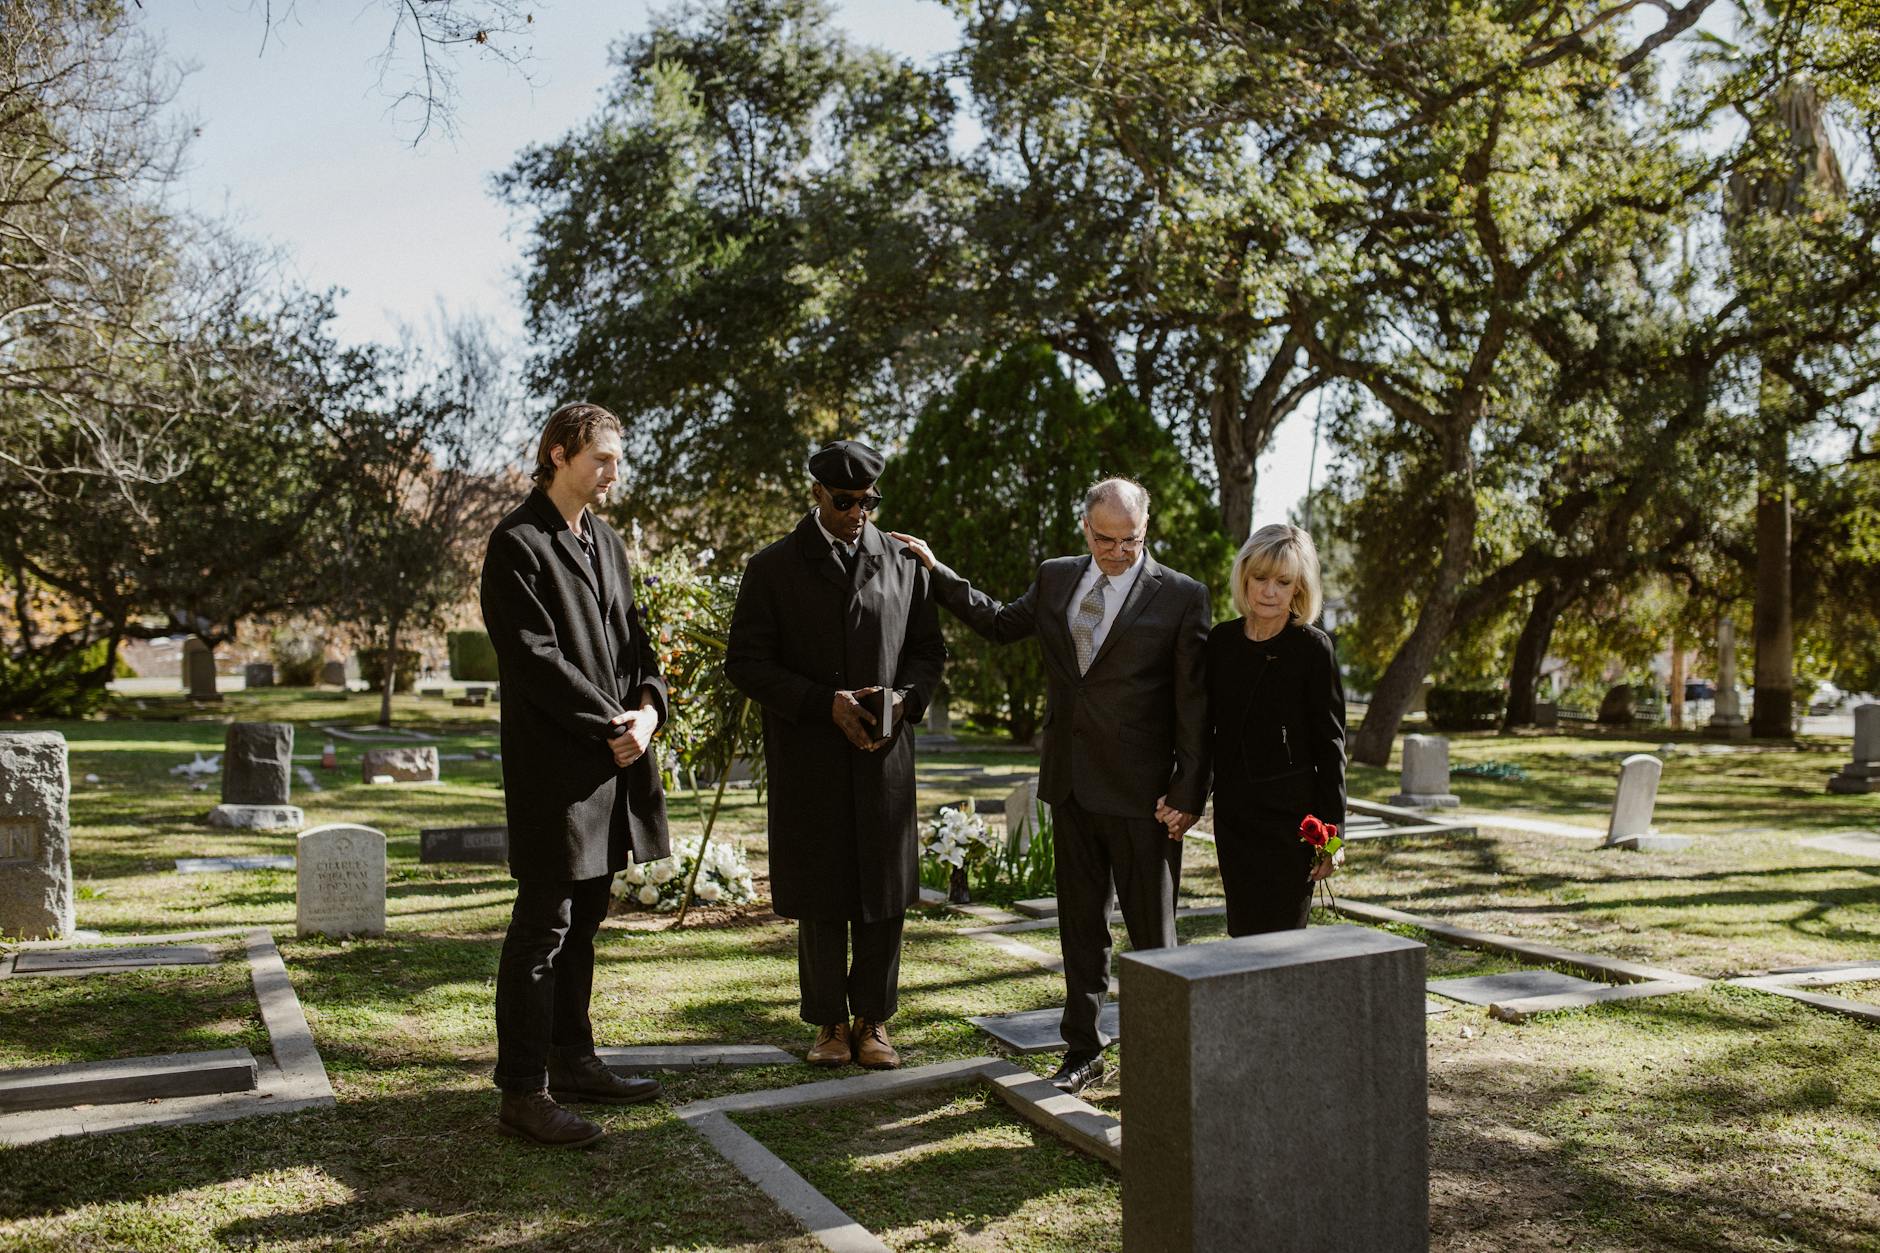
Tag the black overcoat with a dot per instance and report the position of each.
(842, 821)
(570, 662)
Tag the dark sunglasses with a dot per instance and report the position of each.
(845, 501)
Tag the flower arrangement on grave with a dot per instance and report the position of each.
(958, 840)
(721, 877)
(1328, 847)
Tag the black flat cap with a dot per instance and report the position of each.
(847, 464)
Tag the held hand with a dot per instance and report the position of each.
(1327, 868)
(1177, 821)
(633, 731)
(856, 722)
(916, 546)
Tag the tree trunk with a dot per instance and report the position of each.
(1234, 461)
(1677, 681)
(390, 676)
(1530, 651)
(1403, 678)
(1024, 714)
(1774, 707)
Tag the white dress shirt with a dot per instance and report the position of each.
(1113, 597)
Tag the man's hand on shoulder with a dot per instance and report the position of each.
(916, 546)
(632, 732)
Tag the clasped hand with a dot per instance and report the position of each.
(856, 722)
(629, 734)
(1177, 821)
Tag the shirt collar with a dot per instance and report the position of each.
(816, 517)
(1121, 582)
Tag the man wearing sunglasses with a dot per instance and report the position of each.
(1125, 768)
(835, 636)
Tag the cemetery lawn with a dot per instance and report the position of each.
(1723, 1118)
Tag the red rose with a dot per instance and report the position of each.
(1314, 832)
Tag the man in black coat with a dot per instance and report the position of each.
(582, 698)
(830, 620)
(1124, 640)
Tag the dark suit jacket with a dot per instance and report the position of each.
(569, 664)
(1135, 727)
(842, 821)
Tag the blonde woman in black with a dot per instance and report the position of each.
(1276, 710)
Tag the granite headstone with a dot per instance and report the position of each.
(258, 674)
(1425, 778)
(340, 887)
(402, 765)
(35, 836)
(489, 844)
(1862, 774)
(199, 669)
(1632, 806)
(1021, 814)
(1262, 1070)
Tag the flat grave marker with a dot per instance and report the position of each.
(478, 844)
(37, 961)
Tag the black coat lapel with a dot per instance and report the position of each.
(820, 553)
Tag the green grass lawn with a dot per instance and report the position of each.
(1717, 1119)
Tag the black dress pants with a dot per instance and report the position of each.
(545, 978)
(1264, 873)
(1101, 857)
(835, 988)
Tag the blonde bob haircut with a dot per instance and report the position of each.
(1274, 550)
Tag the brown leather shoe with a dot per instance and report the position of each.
(832, 1047)
(535, 1116)
(589, 1079)
(871, 1046)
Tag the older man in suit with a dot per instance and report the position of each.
(1125, 766)
(583, 697)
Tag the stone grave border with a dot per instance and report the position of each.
(1626, 980)
(1077, 1122)
(1400, 821)
(292, 1078)
(1795, 983)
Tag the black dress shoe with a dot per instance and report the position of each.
(589, 1079)
(1079, 1071)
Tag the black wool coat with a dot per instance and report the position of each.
(843, 821)
(1275, 707)
(570, 662)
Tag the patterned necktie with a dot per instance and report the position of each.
(1089, 617)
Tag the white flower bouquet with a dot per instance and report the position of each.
(956, 840)
(725, 879)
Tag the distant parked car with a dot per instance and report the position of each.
(1700, 689)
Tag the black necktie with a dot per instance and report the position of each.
(849, 557)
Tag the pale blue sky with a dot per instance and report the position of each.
(299, 148)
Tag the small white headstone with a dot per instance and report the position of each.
(1862, 775)
(1637, 796)
(35, 834)
(1425, 778)
(341, 881)
(1021, 814)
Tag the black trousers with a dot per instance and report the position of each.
(1265, 871)
(546, 978)
(1099, 858)
(835, 988)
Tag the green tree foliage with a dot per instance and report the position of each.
(743, 255)
(993, 477)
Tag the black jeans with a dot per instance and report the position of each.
(546, 978)
(834, 988)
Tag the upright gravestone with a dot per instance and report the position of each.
(199, 669)
(340, 882)
(1425, 779)
(1260, 1069)
(1632, 806)
(333, 674)
(1021, 814)
(1726, 716)
(937, 732)
(1863, 773)
(258, 674)
(35, 836)
(257, 778)
(400, 765)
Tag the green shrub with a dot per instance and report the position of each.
(1464, 708)
(54, 685)
(372, 668)
(297, 658)
(472, 656)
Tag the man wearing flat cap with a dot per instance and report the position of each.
(832, 620)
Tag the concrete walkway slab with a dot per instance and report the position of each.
(1848, 843)
(693, 1056)
(1514, 985)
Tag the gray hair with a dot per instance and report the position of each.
(1126, 494)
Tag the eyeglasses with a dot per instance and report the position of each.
(845, 501)
(1128, 544)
